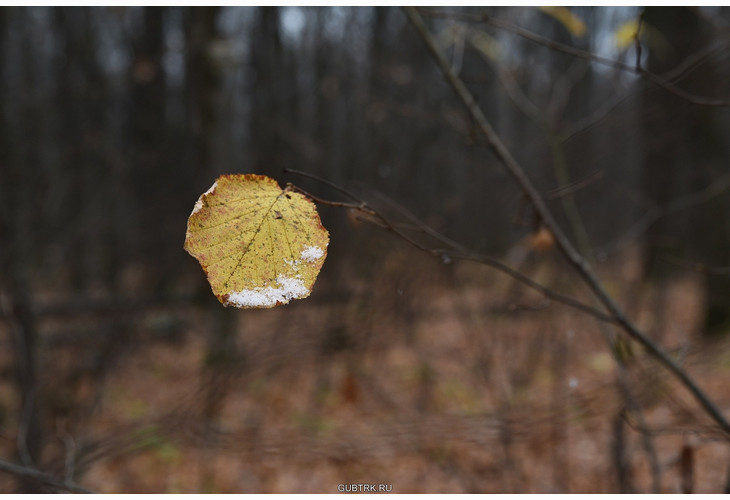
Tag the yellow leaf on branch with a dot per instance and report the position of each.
(565, 16)
(259, 245)
(625, 35)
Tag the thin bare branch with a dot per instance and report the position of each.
(516, 275)
(594, 118)
(455, 250)
(699, 267)
(323, 181)
(565, 194)
(716, 188)
(47, 479)
(496, 264)
(571, 188)
(584, 54)
(582, 267)
(675, 75)
(637, 41)
(322, 201)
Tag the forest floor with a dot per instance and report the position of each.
(423, 378)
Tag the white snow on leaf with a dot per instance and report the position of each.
(311, 253)
(289, 288)
(199, 203)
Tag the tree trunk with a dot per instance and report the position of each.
(684, 154)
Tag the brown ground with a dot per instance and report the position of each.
(428, 377)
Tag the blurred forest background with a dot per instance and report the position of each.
(120, 371)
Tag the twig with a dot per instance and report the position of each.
(455, 252)
(547, 292)
(637, 41)
(496, 264)
(70, 445)
(26, 414)
(584, 54)
(698, 267)
(676, 74)
(714, 189)
(571, 188)
(323, 181)
(582, 267)
(706, 433)
(421, 226)
(565, 194)
(598, 115)
(42, 477)
(633, 407)
(322, 201)
(560, 165)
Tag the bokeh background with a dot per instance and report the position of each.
(120, 371)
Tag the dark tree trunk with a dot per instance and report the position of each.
(684, 154)
(265, 64)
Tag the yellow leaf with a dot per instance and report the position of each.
(626, 34)
(259, 245)
(485, 44)
(564, 16)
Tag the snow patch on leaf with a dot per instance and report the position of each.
(311, 253)
(289, 288)
(199, 203)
